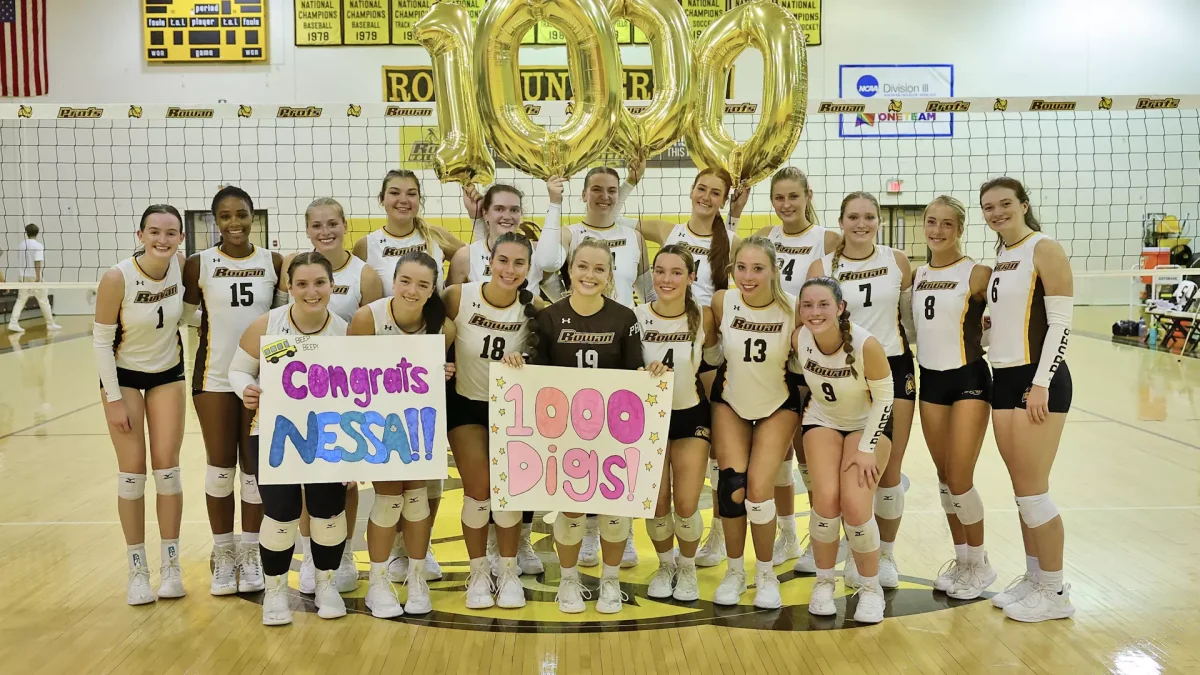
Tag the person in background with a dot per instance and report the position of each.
(32, 257)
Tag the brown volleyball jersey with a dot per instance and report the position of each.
(610, 338)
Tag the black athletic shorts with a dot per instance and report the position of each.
(693, 422)
(972, 382)
(887, 429)
(461, 411)
(904, 377)
(794, 401)
(1010, 386)
(135, 379)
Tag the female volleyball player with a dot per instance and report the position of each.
(493, 322)
(847, 427)
(876, 283)
(311, 284)
(139, 355)
(406, 231)
(355, 285)
(755, 412)
(413, 308)
(234, 284)
(956, 385)
(799, 241)
(602, 333)
(1030, 296)
(501, 211)
(676, 330)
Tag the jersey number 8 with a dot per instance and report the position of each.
(929, 301)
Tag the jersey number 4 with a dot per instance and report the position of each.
(242, 294)
(493, 344)
(752, 345)
(787, 267)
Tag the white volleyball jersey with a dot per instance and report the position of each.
(384, 251)
(485, 333)
(626, 253)
(148, 324)
(839, 400)
(481, 268)
(1016, 300)
(666, 339)
(385, 323)
(949, 323)
(698, 246)
(757, 342)
(233, 293)
(279, 322)
(871, 288)
(796, 253)
(347, 289)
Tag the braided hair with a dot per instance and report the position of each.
(843, 316)
(524, 295)
(690, 305)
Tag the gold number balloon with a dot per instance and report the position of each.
(645, 134)
(777, 34)
(462, 156)
(594, 65)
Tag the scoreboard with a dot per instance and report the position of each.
(214, 31)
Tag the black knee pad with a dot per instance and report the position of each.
(729, 482)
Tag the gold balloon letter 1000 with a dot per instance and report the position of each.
(478, 87)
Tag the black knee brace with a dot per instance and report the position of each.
(729, 482)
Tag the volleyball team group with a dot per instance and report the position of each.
(792, 346)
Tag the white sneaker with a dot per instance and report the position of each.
(947, 575)
(171, 582)
(53, 326)
(224, 571)
(712, 551)
(137, 590)
(870, 604)
(660, 584)
(493, 551)
(1016, 591)
(276, 609)
(807, 564)
(479, 586)
(570, 597)
(687, 586)
(418, 593)
(16, 328)
(1043, 604)
(329, 604)
(397, 567)
(345, 578)
(381, 597)
(509, 592)
(589, 552)
(527, 559)
(612, 598)
(308, 575)
(787, 546)
(850, 573)
(766, 591)
(630, 557)
(729, 592)
(889, 575)
(249, 570)
(432, 571)
(820, 603)
(973, 580)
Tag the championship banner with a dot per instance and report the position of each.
(597, 446)
(362, 408)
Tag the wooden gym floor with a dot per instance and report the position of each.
(1127, 481)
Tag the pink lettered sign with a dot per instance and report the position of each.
(577, 440)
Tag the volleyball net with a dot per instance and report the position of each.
(1114, 179)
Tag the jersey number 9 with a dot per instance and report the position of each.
(827, 389)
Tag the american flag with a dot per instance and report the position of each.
(23, 67)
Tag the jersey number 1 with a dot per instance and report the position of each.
(160, 317)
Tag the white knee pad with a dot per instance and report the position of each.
(863, 538)
(889, 502)
(827, 530)
(386, 510)
(568, 531)
(784, 477)
(969, 507)
(804, 477)
(760, 513)
(131, 486)
(218, 481)
(1037, 510)
(689, 529)
(167, 481)
(250, 493)
(277, 536)
(476, 514)
(434, 488)
(506, 519)
(416, 504)
(615, 529)
(660, 529)
(947, 499)
(328, 531)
